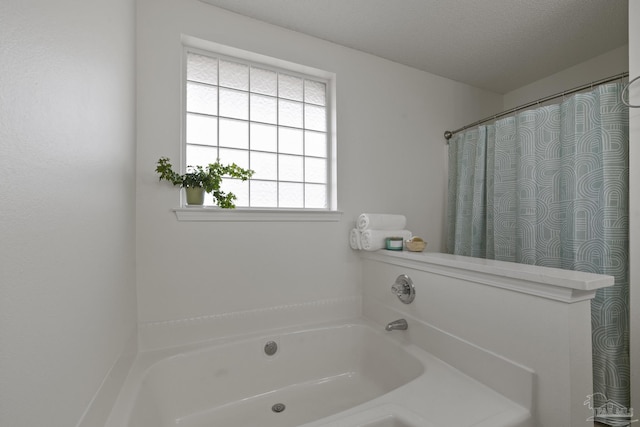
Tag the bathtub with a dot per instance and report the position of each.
(340, 374)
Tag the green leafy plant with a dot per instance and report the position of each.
(208, 177)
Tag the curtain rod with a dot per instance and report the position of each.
(448, 134)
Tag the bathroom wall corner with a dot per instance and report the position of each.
(100, 407)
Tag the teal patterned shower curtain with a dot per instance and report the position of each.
(550, 187)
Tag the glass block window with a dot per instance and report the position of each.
(270, 120)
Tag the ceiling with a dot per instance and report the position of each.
(498, 45)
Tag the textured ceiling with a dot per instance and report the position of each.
(499, 45)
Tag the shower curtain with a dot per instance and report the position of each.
(550, 187)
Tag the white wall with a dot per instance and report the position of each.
(608, 64)
(390, 117)
(67, 120)
(634, 195)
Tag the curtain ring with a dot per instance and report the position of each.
(626, 89)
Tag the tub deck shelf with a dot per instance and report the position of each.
(553, 283)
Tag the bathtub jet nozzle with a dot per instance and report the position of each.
(278, 407)
(270, 348)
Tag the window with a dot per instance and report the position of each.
(271, 120)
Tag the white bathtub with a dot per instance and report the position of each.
(347, 374)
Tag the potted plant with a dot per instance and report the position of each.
(199, 180)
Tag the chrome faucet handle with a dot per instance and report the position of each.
(403, 288)
(398, 289)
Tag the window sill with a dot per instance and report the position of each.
(256, 215)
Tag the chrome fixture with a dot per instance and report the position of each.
(270, 348)
(449, 134)
(400, 325)
(278, 407)
(403, 288)
(626, 89)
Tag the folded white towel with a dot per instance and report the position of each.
(355, 239)
(372, 240)
(373, 221)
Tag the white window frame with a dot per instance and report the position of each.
(211, 213)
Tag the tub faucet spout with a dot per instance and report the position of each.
(399, 324)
